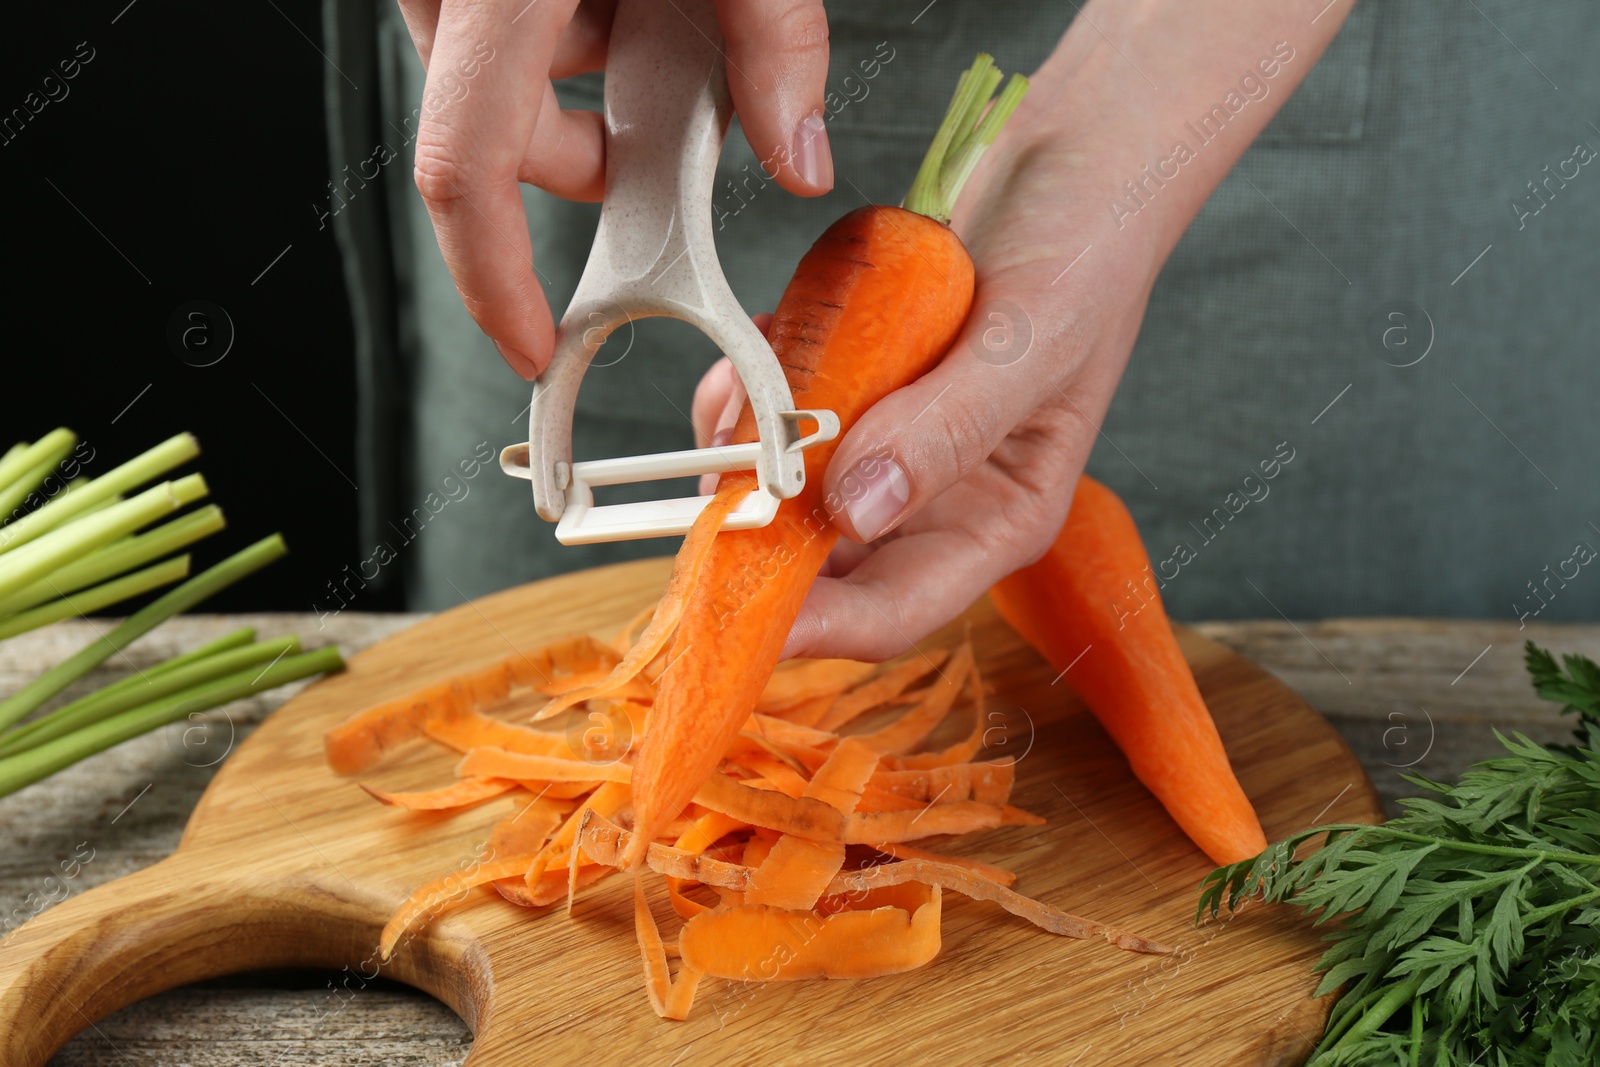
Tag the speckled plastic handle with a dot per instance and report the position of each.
(667, 111)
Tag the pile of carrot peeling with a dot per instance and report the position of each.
(809, 819)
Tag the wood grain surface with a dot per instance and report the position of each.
(285, 865)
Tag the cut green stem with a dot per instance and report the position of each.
(150, 464)
(143, 689)
(1374, 1017)
(965, 134)
(25, 768)
(23, 566)
(23, 457)
(100, 596)
(117, 557)
(29, 479)
(9, 461)
(235, 639)
(244, 635)
(32, 696)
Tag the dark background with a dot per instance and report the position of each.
(186, 156)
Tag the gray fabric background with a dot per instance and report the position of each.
(1430, 489)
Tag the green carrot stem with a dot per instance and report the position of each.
(143, 689)
(9, 461)
(244, 635)
(17, 491)
(970, 126)
(1473, 847)
(117, 557)
(1374, 1017)
(923, 196)
(23, 566)
(953, 178)
(32, 696)
(23, 457)
(96, 597)
(25, 768)
(136, 472)
(234, 639)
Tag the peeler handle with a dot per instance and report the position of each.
(667, 112)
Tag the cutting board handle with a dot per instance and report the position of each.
(189, 917)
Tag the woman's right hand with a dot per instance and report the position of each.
(490, 119)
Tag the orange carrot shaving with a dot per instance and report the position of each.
(551, 887)
(360, 741)
(464, 793)
(987, 782)
(429, 901)
(880, 690)
(496, 764)
(671, 1000)
(607, 800)
(796, 871)
(787, 734)
(800, 680)
(473, 729)
(629, 633)
(808, 712)
(759, 942)
(525, 832)
(997, 875)
(928, 712)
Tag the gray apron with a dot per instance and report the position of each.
(1363, 386)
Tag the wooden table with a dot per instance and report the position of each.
(1409, 695)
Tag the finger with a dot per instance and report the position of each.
(777, 57)
(845, 557)
(715, 413)
(422, 22)
(710, 397)
(900, 594)
(582, 45)
(718, 387)
(567, 152)
(477, 124)
(722, 432)
(920, 440)
(907, 586)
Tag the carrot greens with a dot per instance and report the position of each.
(1468, 929)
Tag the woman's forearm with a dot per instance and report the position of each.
(1147, 104)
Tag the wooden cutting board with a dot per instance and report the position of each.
(285, 864)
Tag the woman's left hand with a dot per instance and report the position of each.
(948, 485)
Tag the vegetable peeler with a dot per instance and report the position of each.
(667, 109)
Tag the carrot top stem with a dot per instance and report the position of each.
(970, 125)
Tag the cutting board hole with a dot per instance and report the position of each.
(281, 1017)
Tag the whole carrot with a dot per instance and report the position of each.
(1119, 655)
(873, 306)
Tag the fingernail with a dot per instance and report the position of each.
(879, 499)
(813, 160)
(517, 361)
(722, 438)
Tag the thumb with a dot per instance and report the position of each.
(777, 69)
(918, 441)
